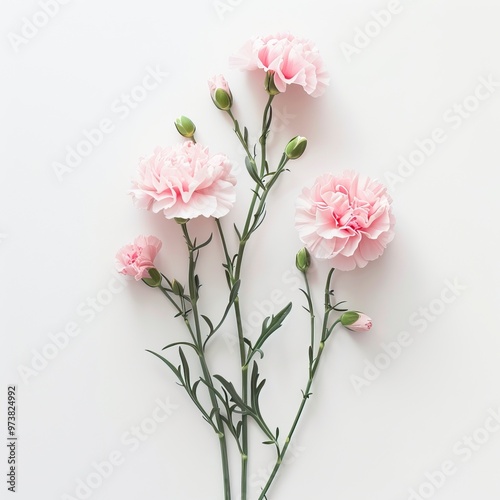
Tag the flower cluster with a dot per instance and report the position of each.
(346, 218)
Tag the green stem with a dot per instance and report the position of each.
(266, 124)
(313, 367)
(249, 228)
(237, 131)
(243, 447)
(193, 293)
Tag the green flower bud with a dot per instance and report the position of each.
(296, 147)
(222, 100)
(180, 220)
(303, 260)
(269, 85)
(220, 92)
(177, 288)
(356, 321)
(185, 127)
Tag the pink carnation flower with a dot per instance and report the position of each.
(184, 181)
(292, 60)
(136, 259)
(346, 218)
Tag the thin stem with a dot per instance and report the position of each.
(181, 312)
(312, 326)
(229, 263)
(237, 131)
(251, 223)
(266, 124)
(313, 367)
(193, 293)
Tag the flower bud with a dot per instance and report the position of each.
(296, 147)
(269, 84)
(220, 92)
(177, 288)
(181, 221)
(356, 321)
(303, 260)
(185, 127)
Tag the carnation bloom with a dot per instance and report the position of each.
(290, 59)
(346, 218)
(136, 259)
(184, 182)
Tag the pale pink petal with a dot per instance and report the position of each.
(184, 181)
(346, 218)
(136, 259)
(293, 60)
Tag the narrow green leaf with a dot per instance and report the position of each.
(237, 232)
(234, 292)
(185, 367)
(229, 387)
(170, 365)
(209, 323)
(195, 388)
(180, 343)
(252, 170)
(203, 244)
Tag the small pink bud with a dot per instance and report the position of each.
(356, 321)
(220, 92)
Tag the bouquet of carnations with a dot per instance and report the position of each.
(343, 217)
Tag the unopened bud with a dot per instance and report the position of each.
(185, 127)
(296, 147)
(356, 321)
(303, 260)
(220, 92)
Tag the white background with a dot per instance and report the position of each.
(59, 238)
